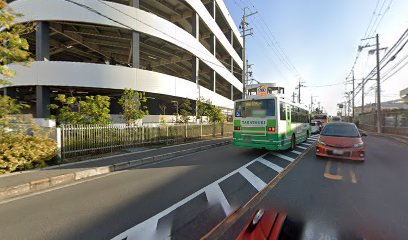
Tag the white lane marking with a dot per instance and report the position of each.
(301, 147)
(312, 141)
(252, 179)
(284, 157)
(215, 195)
(269, 164)
(294, 151)
(147, 229)
(307, 144)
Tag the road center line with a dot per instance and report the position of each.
(327, 173)
(353, 176)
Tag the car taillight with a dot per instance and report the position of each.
(271, 129)
(237, 128)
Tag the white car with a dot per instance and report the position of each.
(315, 127)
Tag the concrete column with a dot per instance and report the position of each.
(213, 74)
(195, 23)
(232, 92)
(134, 3)
(42, 97)
(213, 8)
(42, 94)
(213, 77)
(42, 35)
(231, 39)
(135, 41)
(136, 49)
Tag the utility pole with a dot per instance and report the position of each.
(378, 93)
(378, 86)
(353, 98)
(243, 26)
(311, 103)
(293, 97)
(362, 96)
(298, 87)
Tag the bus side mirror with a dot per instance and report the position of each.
(363, 134)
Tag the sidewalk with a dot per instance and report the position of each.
(19, 183)
(399, 138)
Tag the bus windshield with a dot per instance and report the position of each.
(255, 108)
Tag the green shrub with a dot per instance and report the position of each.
(22, 152)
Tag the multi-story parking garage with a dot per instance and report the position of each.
(170, 49)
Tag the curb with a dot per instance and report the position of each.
(41, 184)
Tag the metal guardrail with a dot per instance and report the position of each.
(79, 140)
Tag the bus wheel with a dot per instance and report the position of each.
(293, 142)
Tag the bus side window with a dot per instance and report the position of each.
(282, 112)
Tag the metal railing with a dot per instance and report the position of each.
(80, 140)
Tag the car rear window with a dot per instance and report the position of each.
(340, 130)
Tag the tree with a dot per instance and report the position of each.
(131, 103)
(72, 110)
(13, 48)
(202, 106)
(185, 110)
(9, 107)
(214, 113)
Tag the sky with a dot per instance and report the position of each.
(317, 41)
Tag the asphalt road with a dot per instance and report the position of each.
(333, 199)
(182, 198)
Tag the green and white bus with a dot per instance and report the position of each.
(270, 122)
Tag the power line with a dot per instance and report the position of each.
(369, 31)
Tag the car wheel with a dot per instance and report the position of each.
(293, 142)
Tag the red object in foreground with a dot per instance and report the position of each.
(265, 225)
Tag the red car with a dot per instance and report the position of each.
(341, 140)
(264, 225)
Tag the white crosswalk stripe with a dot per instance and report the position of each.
(252, 178)
(301, 147)
(283, 157)
(269, 164)
(215, 195)
(294, 151)
(307, 144)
